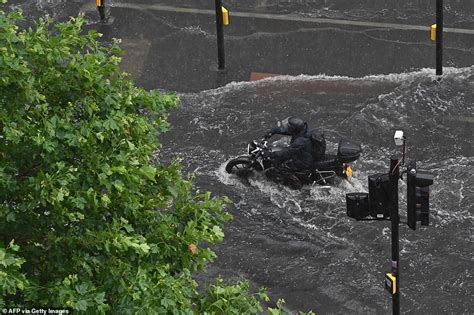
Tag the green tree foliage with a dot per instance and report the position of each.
(87, 220)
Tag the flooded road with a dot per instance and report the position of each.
(300, 244)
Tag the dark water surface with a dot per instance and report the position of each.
(300, 244)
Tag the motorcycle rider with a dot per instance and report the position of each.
(291, 126)
(298, 155)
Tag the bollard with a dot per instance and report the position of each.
(101, 8)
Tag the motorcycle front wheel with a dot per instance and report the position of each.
(239, 166)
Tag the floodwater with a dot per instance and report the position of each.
(300, 244)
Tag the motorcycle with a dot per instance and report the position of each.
(325, 171)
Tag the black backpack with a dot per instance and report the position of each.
(318, 144)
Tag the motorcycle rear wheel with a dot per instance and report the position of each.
(239, 166)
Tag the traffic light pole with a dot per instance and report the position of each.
(439, 37)
(385, 195)
(394, 175)
(220, 35)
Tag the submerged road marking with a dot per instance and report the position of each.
(254, 76)
(158, 7)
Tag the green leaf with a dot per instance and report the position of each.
(13, 246)
(11, 217)
(119, 185)
(100, 136)
(173, 191)
(81, 288)
(105, 200)
(99, 298)
(148, 171)
(81, 305)
(80, 202)
(217, 231)
(144, 248)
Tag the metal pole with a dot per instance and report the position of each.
(439, 37)
(394, 175)
(220, 35)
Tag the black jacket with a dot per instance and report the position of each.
(299, 151)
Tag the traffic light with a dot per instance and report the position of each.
(418, 196)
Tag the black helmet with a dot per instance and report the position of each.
(293, 125)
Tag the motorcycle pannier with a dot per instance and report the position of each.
(348, 151)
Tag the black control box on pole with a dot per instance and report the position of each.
(220, 35)
(439, 37)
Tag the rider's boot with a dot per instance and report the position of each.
(294, 182)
